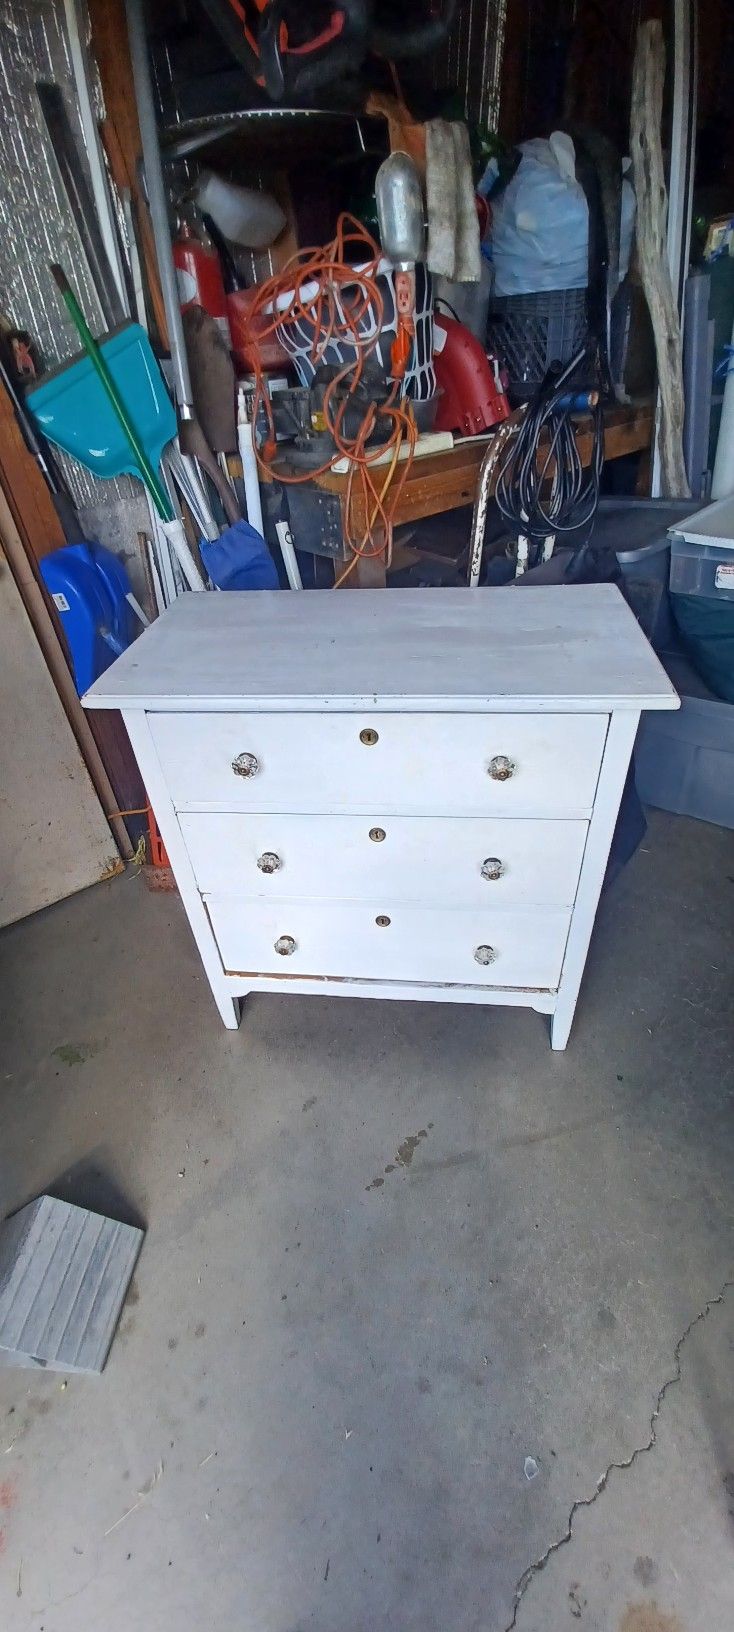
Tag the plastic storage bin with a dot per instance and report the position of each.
(701, 569)
(684, 762)
(638, 532)
(702, 592)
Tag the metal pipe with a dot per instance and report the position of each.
(182, 475)
(481, 503)
(158, 203)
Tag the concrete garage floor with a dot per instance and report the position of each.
(393, 1251)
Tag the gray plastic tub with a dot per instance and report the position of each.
(642, 525)
(702, 569)
(684, 761)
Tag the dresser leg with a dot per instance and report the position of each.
(230, 1009)
(617, 752)
(560, 1025)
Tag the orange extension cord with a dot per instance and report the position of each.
(342, 298)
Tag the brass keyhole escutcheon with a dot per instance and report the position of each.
(368, 737)
(382, 921)
(377, 834)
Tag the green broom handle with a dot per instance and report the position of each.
(99, 362)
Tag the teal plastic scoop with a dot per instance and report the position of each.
(74, 411)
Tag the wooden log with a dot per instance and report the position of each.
(648, 78)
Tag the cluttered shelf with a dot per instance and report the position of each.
(448, 479)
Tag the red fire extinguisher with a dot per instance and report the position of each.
(199, 276)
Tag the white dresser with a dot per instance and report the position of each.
(402, 793)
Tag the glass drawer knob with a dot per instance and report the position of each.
(268, 862)
(245, 765)
(484, 954)
(492, 867)
(501, 768)
(285, 945)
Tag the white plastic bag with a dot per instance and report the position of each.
(540, 222)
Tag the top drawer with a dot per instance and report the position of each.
(409, 764)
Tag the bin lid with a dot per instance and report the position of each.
(714, 525)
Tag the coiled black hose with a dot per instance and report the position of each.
(571, 501)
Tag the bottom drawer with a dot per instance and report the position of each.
(353, 940)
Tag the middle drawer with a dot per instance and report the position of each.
(445, 860)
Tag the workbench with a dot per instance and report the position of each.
(448, 480)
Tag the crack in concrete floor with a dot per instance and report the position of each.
(533, 1570)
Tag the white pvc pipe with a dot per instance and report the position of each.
(142, 616)
(176, 536)
(285, 540)
(249, 466)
